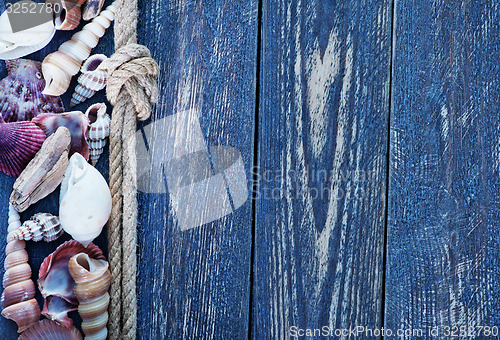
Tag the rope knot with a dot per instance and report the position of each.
(132, 79)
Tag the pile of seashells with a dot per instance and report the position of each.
(46, 147)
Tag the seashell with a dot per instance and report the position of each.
(92, 9)
(77, 124)
(44, 173)
(60, 66)
(98, 130)
(18, 297)
(91, 80)
(50, 330)
(85, 201)
(56, 284)
(67, 13)
(19, 142)
(41, 226)
(92, 279)
(21, 95)
(19, 44)
(14, 219)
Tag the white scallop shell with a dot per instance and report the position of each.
(85, 201)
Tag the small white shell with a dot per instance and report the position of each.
(85, 201)
(14, 219)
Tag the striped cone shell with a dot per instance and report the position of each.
(91, 80)
(98, 130)
(42, 226)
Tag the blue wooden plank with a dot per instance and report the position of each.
(444, 203)
(38, 251)
(322, 166)
(196, 283)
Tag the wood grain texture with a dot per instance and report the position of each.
(196, 283)
(322, 165)
(444, 199)
(38, 251)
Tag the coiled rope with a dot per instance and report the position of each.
(132, 90)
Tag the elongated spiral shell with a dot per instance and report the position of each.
(92, 279)
(98, 130)
(18, 297)
(60, 66)
(14, 219)
(91, 80)
(40, 227)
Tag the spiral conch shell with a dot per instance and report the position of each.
(60, 66)
(57, 285)
(92, 279)
(18, 297)
(92, 79)
(42, 226)
(85, 201)
(98, 130)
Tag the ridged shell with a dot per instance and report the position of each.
(42, 226)
(18, 297)
(77, 124)
(56, 284)
(21, 95)
(19, 44)
(19, 142)
(92, 279)
(50, 330)
(98, 130)
(60, 66)
(91, 80)
(85, 201)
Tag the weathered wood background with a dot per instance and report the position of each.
(371, 130)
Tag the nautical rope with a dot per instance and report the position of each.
(132, 90)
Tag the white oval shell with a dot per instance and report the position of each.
(85, 201)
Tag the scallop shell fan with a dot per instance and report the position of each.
(19, 143)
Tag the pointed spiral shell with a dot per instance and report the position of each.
(60, 66)
(18, 297)
(98, 130)
(40, 227)
(92, 279)
(91, 80)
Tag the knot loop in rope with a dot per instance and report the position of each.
(132, 78)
